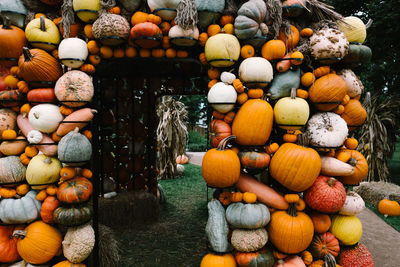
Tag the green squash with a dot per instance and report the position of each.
(283, 83)
(249, 216)
(72, 215)
(251, 18)
(23, 210)
(358, 54)
(209, 11)
(217, 228)
(15, 11)
(74, 149)
(261, 258)
(11, 170)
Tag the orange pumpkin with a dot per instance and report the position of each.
(146, 35)
(360, 164)
(48, 207)
(221, 167)
(321, 222)
(247, 51)
(327, 92)
(75, 190)
(12, 40)
(354, 114)
(8, 243)
(292, 39)
(273, 49)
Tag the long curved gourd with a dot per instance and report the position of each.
(82, 117)
(26, 127)
(265, 194)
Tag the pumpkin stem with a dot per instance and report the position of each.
(293, 93)
(331, 181)
(47, 160)
(329, 260)
(94, 111)
(19, 234)
(42, 24)
(292, 210)
(352, 162)
(6, 23)
(27, 54)
(369, 23)
(76, 130)
(36, 116)
(224, 142)
(302, 140)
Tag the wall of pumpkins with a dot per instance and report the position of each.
(285, 101)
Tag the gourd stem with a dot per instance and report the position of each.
(19, 234)
(47, 160)
(6, 23)
(352, 162)
(27, 54)
(331, 181)
(264, 28)
(302, 140)
(36, 116)
(293, 93)
(94, 111)
(76, 130)
(224, 142)
(292, 210)
(42, 24)
(329, 260)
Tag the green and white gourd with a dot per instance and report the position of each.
(209, 11)
(74, 149)
(15, 11)
(11, 170)
(217, 228)
(248, 216)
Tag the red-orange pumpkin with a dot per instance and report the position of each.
(37, 96)
(360, 164)
(326, 195)
(75, 190)
(8, 244)
(146, 34)
(324, 244)
(48, 207)
(252, 159)
(218, 131)
(182, 159)
(263, 257)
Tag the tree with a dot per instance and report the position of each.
(196, 105)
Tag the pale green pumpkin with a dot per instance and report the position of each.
(87, 10)
(347, 229)
(43, 33)
(291, 113)
(14, 10)
(11, 170)
(251, 18)
(217, 227)
(284, 82)
(358, 54)
(43, 170)
(74, 149)
(209, 11)
(249, 216)
(23, 210)
(222, 50)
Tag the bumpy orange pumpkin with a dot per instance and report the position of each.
(220, 167)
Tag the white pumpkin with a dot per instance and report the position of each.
(34, 137)
(181, 37)
(326, 129)
(255, 72)
(23, 210)
(327, 44)
(222, 50)
(45, 117)
(354, 85)
(224, 94)
(166, 9)
(180, 169)
(353, 28)
(73, 52)
(354, 204)
(227, 77)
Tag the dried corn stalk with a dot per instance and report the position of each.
(171, 135)
(378, 134)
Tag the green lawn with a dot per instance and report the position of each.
(178, 239)
(393, 221)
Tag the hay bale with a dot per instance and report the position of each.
(373, 192)
(109, 254)
(128, 209)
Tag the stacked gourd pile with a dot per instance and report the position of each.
(45, 186)
(288, 109)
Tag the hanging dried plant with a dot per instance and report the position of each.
(231, 8)
(171, 135)
(378, 138)
(322, 11)
(274, 14)
(68, 16)
(186, 15)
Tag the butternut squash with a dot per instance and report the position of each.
(284, 64)
(26, 127)
(265, 194)
(82, 117)
(13, 148)
(333, 167)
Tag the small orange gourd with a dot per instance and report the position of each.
(202, 58)
(226, 19)
(242, 98)
(296, 58)
(237, 197)
(88, 31)
(213, 29)
(23, 87)
(66, 110)
(213, 73)
(255, 93)
(41, 195)
(238, 85)
(24, 159)
(94, 59)
(130, 52)
(212, 83)
(154, 19)
(182, 53)
(272, 148)
(31, 151)
(228, 29)
(302, 93)
(87, 173)
(88, 68)
(9, 134)
(7, 192)
(165, 27)
(115, 10)
(290, 138)
(22, 189)
(218, 115)
(307, 79)
(88, 134)
(93, 47)
(249, 197)
(105, 52)
(225, 198)
(170, 53)
(247, 51)
(306, 32)
(67, 173)
(25, 109)
(51, 190)
(351, 143)
(203, 37)
(321, 71)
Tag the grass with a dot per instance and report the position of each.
(178, 239)
(392, 221)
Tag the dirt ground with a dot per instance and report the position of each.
(381, 239)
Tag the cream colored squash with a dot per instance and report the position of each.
(45, 117)
(354, 85)
(354, 29)
(13, 148)
(34, 137)
(354, 204)
(255, 72)
(43, 33)
(73, 52)
(222, 50)
(181, 37)
(333, 167)
(42, 170)
(326, 130)
(291, 113)
(166, 9)
(227, 77)
(224, 94)
(87, 10)
(328, 43)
